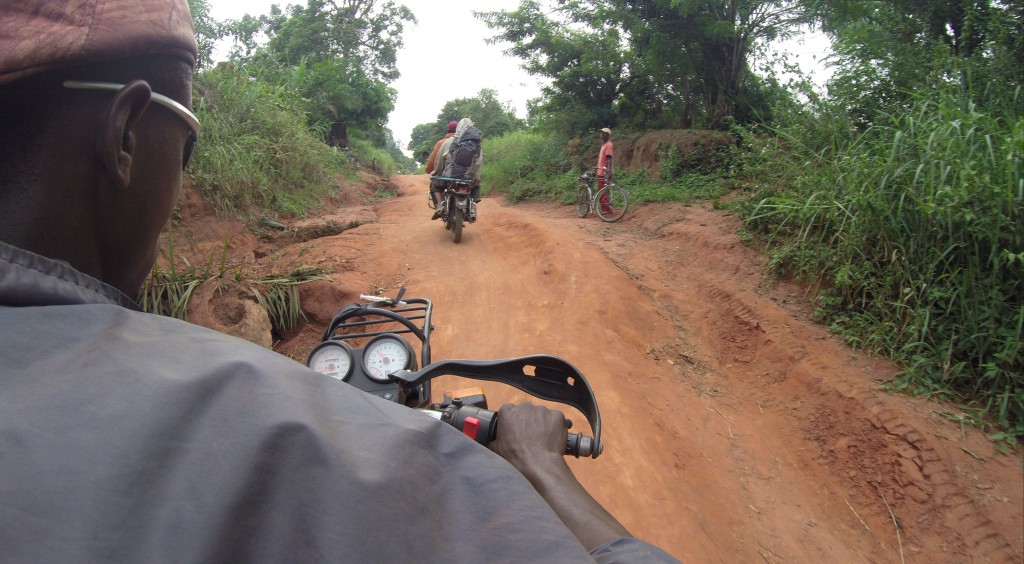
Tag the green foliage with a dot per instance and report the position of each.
(167, 292)
(208, 31)
(652, 63)
(335, 92)
(377, 160)
(367, 34)
(255, 148)
(491, 116)
(915, 227)
(885, 51)
(423, 138)
(337, 57)
(538, 166)
(403, 163)
(525, 166)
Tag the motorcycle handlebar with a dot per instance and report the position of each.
(481, 425)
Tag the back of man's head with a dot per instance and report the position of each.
(59, 144)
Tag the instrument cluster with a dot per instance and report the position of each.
(368, 368)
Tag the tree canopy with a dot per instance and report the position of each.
(650, 62)
(490, 115)
(339, 56)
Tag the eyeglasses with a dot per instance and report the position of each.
(169, 103)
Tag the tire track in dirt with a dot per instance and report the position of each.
(877, 452)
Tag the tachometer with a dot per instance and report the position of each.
(384, 355)
(331, 358)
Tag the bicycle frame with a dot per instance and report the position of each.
(585, 205)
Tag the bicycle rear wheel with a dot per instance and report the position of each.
(583, 201)
(612, 202)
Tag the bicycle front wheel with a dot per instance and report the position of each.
(611, 203)
(583, 201)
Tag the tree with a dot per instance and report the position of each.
(643, 59)
(337, 55)
(207, 30)
(490, 115)
(423, 137)
(586, 64)
(366, 33)
(888, 50)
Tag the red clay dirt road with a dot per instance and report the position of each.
(736, 429)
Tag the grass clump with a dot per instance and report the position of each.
(915, 228)
(256, 149)
(167, 292)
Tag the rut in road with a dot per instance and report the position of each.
(736, 428)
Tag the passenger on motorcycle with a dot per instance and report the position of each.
(130, 437)
(446, 165)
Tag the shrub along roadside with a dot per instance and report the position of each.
(915, 228)
(537, 166)
(255, 148)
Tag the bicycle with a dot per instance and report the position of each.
(615, 198)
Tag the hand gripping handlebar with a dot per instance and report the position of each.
(546, 377)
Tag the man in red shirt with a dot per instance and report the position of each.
(604, 166)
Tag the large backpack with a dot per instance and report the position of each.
(464, 150)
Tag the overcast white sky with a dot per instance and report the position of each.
(424, 87)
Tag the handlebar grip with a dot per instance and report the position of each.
(481, 425)
(578, 444)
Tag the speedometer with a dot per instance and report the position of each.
(384, 355)
(331, 358)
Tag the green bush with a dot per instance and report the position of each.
(255, 148)
(526, 166)
(376, 160)
(536, 165)
(916, 228)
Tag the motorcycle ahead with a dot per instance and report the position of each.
(457, 206)
(364, 347)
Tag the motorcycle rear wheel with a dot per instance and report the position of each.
(457, 226)
(583, 201)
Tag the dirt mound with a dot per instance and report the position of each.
(229, 307)
(646, 151)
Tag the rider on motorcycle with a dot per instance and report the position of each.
(443, 166)
(432, 160)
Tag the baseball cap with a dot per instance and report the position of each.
(606, 130)
(37, 37)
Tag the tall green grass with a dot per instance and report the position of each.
(915, 230)
(256, 149)
(525, 165)
(536, 165)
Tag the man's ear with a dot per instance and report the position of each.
(116, 144)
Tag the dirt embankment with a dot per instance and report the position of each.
(737, 429)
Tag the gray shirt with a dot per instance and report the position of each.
(132, 437)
